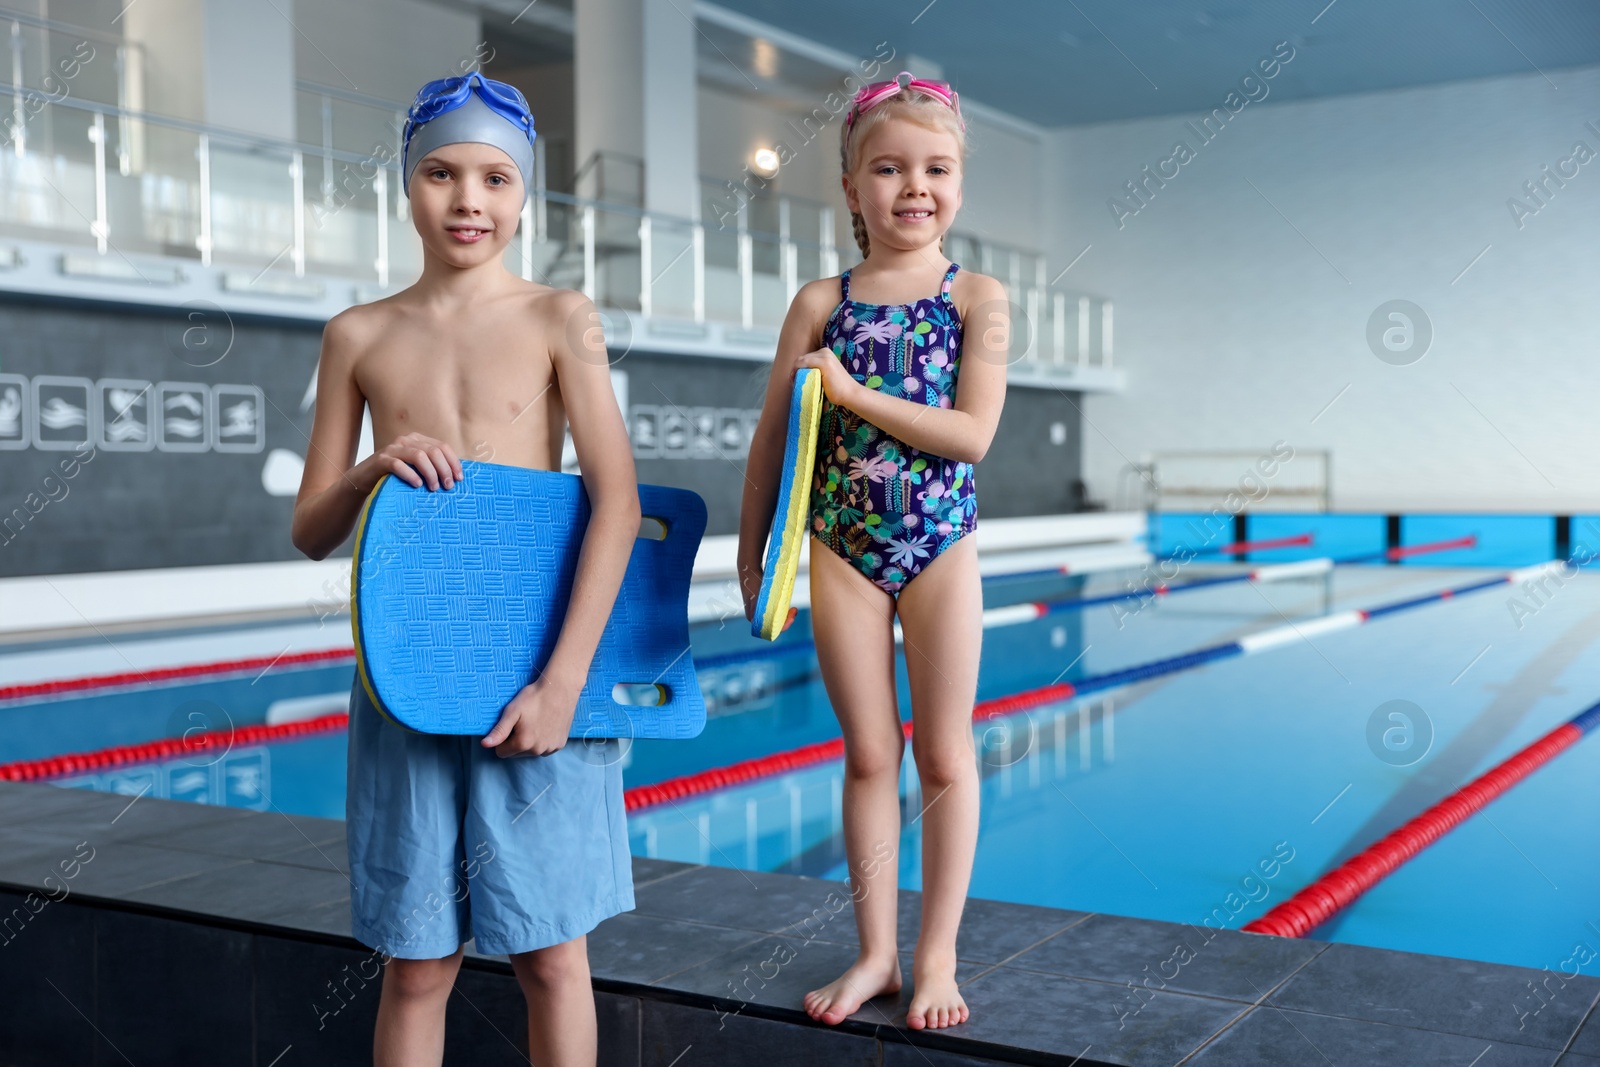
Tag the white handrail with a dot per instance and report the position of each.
(592, 228)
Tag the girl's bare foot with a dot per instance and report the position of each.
(935, 1001)
(866, 978)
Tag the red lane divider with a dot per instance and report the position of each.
(1403, 551)
(171, 674)
(1319, 901)
(167, 748)
(1239, 547)
(638, 797)
(1262, 546)
(749, 770)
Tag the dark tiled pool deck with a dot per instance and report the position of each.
(214, 935)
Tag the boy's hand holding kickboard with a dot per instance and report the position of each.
(457, 599)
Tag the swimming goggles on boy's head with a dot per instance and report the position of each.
(870, 96)
(469, 108)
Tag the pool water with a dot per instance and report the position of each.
(1210, 794)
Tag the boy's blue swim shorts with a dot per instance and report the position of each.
(448, 841)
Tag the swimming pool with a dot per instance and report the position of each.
(1167, 799)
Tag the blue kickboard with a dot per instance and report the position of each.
(457, 599)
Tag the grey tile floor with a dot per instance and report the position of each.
(719, 959)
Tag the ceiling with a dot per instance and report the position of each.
(1072, 62)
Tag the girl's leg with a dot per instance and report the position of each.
(411, 1006)
(853, 623)
(941, 620)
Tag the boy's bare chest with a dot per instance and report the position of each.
(476, 383)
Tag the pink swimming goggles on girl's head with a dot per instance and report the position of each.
(872, 95)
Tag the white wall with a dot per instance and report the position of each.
(249, 64)
(734, 125)
(1237, 325)
(1003, 187)
(385, 48)
(671, 129)
(607, 120)
(224, 63)
(172, 33)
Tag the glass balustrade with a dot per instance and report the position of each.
(80, 171)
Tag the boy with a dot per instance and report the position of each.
(472, 360)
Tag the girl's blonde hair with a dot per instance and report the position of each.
(911, 105)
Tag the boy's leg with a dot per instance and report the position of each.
(941, 619)
(547, 841)
(404, 797)
(853, 625)
(561, 1017)
(411, 1008)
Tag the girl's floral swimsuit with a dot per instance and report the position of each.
(889, 508)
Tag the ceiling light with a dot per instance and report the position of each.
(764, 162)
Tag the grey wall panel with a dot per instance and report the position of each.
(1033, 465)
(704, 410)
(83, 490)
(1034, 461)
(127, 443)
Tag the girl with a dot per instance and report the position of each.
(893, 506)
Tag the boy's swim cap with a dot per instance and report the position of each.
(469, 108)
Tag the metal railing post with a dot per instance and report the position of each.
(1035, 344)
(645, 266)
(1105, 334)
(381, 188)
(203, 153)
(19, 112)
(527, 240)
(791, 271)
(830, 254)
(699, 273)
(588, 251)
(327, 149)
(746, 266)
(1083, 331)
(788, 257)
(297, 175)
(746, 280)
(102, 225)
(402, 201)
(1060, 324)
(124, 126)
